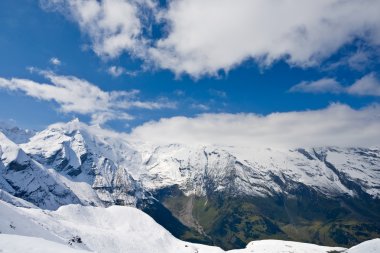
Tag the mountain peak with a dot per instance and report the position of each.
(67, 127)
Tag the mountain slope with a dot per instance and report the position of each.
(113, 229)
(116, 229)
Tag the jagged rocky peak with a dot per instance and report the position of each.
(82, 139)
(23, 177)
(89, 154)
(70, 163)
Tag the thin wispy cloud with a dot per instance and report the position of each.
(325, 85)
(75, 95)
(217, 93)
(359, 60)
(55, 61)
(179, 93)
(117, 71)
(200, 107)
(202, 37)
(369, 85)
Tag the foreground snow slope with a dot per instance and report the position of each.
(116, 229)
(372, 246)
(113, 229)
(23, 244)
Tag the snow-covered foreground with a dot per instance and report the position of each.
(19, 243)
(76, 228)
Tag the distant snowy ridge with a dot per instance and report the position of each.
(16, 134)
(76, 228)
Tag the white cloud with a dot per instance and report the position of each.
(55, 61)
(202, 37)
(325, 85)
(209, 35)
(116, 71)
(74, 95)
(368, 85)
(201, 107)
(112, 25)
(337, 125)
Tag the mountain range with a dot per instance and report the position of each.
(225, 196)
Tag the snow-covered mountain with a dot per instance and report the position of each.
(96, 163)
(23, 177)
(330, 171)
(73, 163)
(101, 167)
(76, 228)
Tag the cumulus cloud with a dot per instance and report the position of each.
(113, 26)
(336, 125)
(207, 36)
(368, 85)
(202, 37)
(75, 95)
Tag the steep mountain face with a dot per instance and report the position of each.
(201, 171)
(227, 196)
(232, 196)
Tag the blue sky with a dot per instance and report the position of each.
(187, 79)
